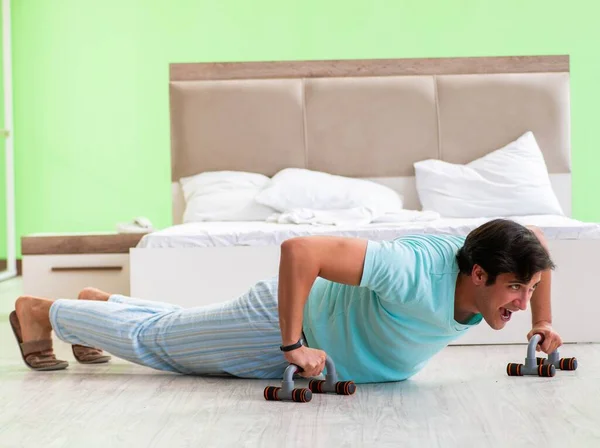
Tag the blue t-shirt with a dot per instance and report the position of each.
(401, 314)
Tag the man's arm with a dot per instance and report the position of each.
(303, 259)
(541, 307)
(541, 313)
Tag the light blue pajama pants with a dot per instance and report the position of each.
(240, 337)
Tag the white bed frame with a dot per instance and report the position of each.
(192, 277)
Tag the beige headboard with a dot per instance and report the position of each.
(364, 118)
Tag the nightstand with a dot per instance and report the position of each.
(61, 265)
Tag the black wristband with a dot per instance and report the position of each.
(288, 348)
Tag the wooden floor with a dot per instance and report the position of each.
(463, 398)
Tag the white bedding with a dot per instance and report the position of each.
(221, 234)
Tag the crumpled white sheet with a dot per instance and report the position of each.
(352, 216)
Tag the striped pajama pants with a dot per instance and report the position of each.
(239, 338)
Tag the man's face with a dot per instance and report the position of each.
(507, 295)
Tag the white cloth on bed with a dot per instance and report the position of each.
(352, 216)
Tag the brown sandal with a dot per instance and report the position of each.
(89, 355)
(37, 355)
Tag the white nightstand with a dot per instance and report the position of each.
(59, 265)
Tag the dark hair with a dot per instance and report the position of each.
(502, 246)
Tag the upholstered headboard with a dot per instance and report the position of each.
(366, 118)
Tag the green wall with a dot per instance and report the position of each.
(2, 158)
(91, 98)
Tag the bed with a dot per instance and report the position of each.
(371, 120)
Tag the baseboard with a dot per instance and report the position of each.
(3, 263)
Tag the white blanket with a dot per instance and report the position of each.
(353, 216)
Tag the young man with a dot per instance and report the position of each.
(380, 310)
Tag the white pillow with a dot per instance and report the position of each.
(509, 181)
(294, 188)
(224, 196)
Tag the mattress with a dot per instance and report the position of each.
(222, 234)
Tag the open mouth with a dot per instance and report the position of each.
(505, 314)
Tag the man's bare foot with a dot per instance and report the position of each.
(90, 293)
(34, 317)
